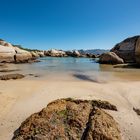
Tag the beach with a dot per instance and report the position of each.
(23, 97)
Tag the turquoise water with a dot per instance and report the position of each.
(78, 68)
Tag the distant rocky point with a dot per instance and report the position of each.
(10, 53)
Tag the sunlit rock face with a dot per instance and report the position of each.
(128, 50)
(12, 54)
(7, 52)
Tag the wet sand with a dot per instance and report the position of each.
(20, 98)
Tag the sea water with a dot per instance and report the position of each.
(76, 68)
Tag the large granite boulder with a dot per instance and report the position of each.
(22, 55)
(110, 58)
(129, 50)
(69, 119)
(12, 54)
(7, 54)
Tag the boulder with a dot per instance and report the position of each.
(22, 55)
(34, 54)
(110, 58)
(40, 53)
(7, 54)
(12, 54)
(128, 50)
(74, 53)
(55, 53)
(90, 55)
(69, 53)
(67, 119)
(137, 51)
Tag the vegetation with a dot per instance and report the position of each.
(26, 49)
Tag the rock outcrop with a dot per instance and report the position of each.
(128, 50)
(73, 53)
(22, 55)
(35, 54)
(67, 119)
(110, 58)
(55, 53)
(12, 54)
(7, 52)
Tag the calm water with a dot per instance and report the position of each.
(78, 68)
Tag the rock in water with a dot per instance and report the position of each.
(11, 76)
(69, 119)
(129, 50)
(110, 58)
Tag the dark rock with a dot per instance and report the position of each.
(11, 76)
(128, 50)
(90, 55)
(69, 119)
(74, 53)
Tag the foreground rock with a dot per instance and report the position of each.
(11, 76)
(110, 58)
(129, 50)
(70, 119)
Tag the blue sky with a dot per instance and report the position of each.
(69, 24)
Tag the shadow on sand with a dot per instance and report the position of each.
(86, 78)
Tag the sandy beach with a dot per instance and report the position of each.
(21, 98)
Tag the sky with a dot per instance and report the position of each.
(68, 24)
